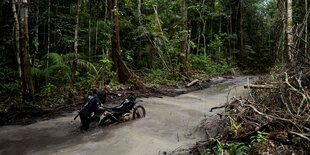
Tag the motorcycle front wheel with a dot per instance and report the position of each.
(138, 112)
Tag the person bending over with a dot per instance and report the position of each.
(94, 104)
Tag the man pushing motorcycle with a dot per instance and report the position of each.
(94, 104)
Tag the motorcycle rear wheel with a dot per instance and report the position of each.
(138, 112)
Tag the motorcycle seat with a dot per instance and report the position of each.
(121, 108)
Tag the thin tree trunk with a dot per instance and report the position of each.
(165, 45)
(306, 29)
(55, 25)
(203, 31)
(198, 42)
(230, 31)
(89, 31)
(184, 56)
(139, 11)
(106, 9)
(211, 22)
(96, 35)
(220, 30)
(289, 30)
(76, 32)
(27, 84)
(37, 29)
(96, 45)
(17, 43)
(283, 31)
(242, 33)
(188, 43)
(48, 31)
(123, 74)
(279, 43)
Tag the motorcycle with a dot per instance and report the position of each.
(124, 112)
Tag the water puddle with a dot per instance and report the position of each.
(168, 125)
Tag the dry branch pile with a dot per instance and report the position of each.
(282, 111)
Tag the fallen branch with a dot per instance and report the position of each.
(270, 116)
(253, 86)
(300, 135)
(223, 106)
(192, 83)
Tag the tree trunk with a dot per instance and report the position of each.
(139, 11)
(106, 9)
(198, 41)
(220, 31)
(123, 74)
(96, 44)
(289, 30)
(17, 43)
(242, 33)
(230, 31)
(283, 32)
(203, 31)
(306, 29)
(76, 32)
(89, 31)
(37, 29)
(48, 31)
(27, 84)
(184, 56)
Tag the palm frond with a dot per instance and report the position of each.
(54, 58)
(36, 73)
(68, 57)
(87, 65)
(56, 68)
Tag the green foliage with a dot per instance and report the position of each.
(233, 148)
(106, 68)
(50, 94)
(10, 86)
(155, 78)
(261, 137)
(205, 64)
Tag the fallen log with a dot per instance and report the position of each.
(192, 83)
(253, 86)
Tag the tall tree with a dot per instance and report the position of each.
(37, 26)
(242, 33)
(76, 32)
(17, 43)
(123, 74)
(89, 29)
(204, 23)
(27, 84)
(306, 28)
(139, 10)
(289, 30)
(184, 56)
(48, 31)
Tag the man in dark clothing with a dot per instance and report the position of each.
(103, 94)
(94, 103)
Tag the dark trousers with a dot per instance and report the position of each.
(85, 120)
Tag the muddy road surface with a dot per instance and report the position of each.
(170, 123)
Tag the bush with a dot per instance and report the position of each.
(206, 65)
